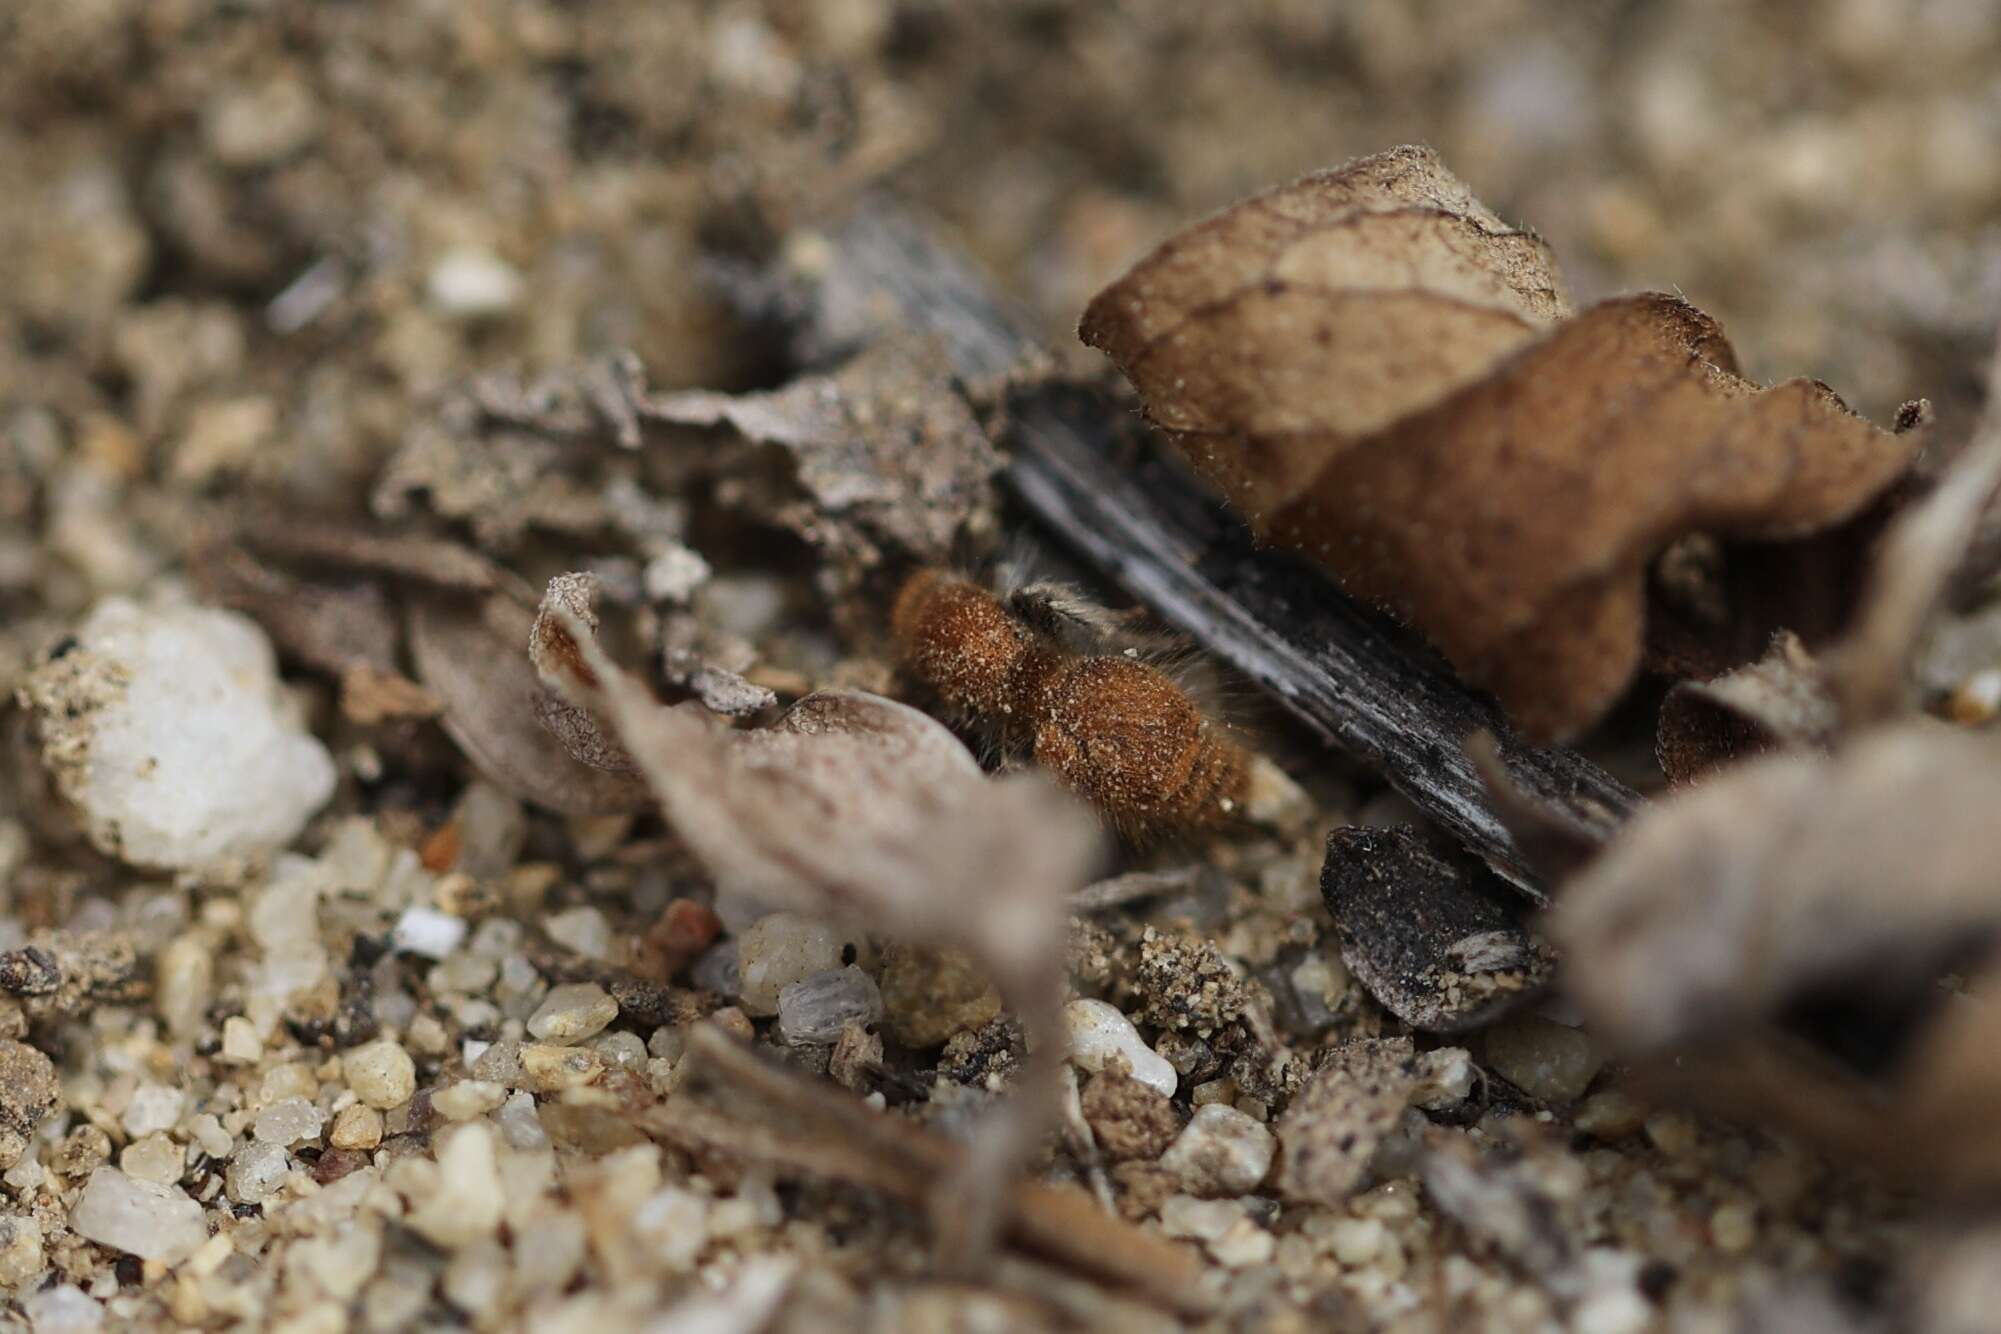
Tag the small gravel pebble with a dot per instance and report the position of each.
(381, 1074)
(467, 1099)
(63, 1309)
(569, 1014)
(154, 1158)
(255, 1172)
(150, 1221)
(20, 1249)
(1220, 1152)
(1550, 1062)
(470, 283)
(782, 948)
(1100, 1034)
(240, 1042)
(356, 1127)
(428, 932)
(153, 1107)
(466, 1204)
(928, 995)
(815, 1009)
(581, 930)
(286, 1122)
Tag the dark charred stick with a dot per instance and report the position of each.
(1358, 682)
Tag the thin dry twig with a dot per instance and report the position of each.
(889, 1154)
(1133, 887)
(1919, 558)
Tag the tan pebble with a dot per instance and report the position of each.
(381, 1074)
(1610, 1114)
(1672, 1133)
(1976, 699)
(1216, 1090)
(356, 1127)
(1357, 1241)
(550, 1069)
(1550, 1062)
(240, 1043)
(1734, 1227)
(1243, 1245)
(467, 1099)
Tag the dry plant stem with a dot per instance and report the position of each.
(1132, 887)
(1914, 571)
(1356, 681)
(869, 1149)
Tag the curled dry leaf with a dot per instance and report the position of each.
(472, 658)
(848, 804)
(1789, 698)
(1781, 701)
(1785, 930)
(331, 628)
(1921, 557)
(553, 653)
(1440, 944)
(884, 454)
(1381, 375)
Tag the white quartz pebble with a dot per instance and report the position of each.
(150, 1221)
(1099, 1034)
(166, 726)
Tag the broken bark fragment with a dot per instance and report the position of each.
(1380, 376)
(1440, 944)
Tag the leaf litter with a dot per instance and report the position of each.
(507, 992)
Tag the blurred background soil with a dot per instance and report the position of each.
(246, 239)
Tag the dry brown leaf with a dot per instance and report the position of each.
(474, 659)
(552, 652)
(1782, 700)
(327, 627)
(884, 454)
(1379, 374)
(1921, 556)
(1781, 874)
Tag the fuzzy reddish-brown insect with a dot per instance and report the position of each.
(1114, 729)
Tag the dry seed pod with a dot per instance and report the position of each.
(1379, 374)
(1117, 731)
